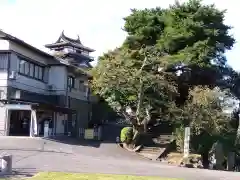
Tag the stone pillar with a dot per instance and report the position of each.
(219, 155)
(186, 142)
(6, 164)
(231, 161)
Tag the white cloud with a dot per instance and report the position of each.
(98, 23)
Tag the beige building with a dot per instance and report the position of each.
(37, 87)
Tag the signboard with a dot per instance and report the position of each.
(18, 107)
(89, 134)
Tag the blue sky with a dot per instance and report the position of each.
(98, 23)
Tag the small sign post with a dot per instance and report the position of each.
(46, 129)
(186, 142)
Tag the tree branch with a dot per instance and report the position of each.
(140, 93)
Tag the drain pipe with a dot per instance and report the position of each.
(67, 104)
(88, 102)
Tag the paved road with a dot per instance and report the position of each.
(95, 158)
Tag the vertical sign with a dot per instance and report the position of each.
(186, 142)
(46, 129)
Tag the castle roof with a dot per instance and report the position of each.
(63, 40)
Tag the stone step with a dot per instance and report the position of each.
(148, 156)
(153, 155)
(162, 136)
(149, 149)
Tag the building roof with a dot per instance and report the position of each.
(59, 61)
(66, 41)
(7, 36)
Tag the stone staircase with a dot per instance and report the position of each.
(161, 145)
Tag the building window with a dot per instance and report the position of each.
(26, 68)
(21, 66)
(71, 82)
(40, 73)
(31, 69)
(3, 61)
(31, 73)
(36, 69)
(82, 86)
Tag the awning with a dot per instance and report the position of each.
(18, 107)
(53, 108)
(24, 105)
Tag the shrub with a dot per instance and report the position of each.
(126, 134)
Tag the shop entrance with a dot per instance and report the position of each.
(19, 122)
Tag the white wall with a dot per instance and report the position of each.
(59, 123)
(3, 84)
(4, 45)
(23, 82)
(2, 120)
(3, 76)
(58, 79)
(28, 53)
(76, 92)
(57, 75)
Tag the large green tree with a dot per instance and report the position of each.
(186, 42)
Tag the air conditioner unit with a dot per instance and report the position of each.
(13, 75)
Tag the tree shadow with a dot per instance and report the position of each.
(110, 131)
(102, 115)
(73, 141)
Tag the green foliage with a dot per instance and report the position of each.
(126, 134)
(179, 138)
(207, 119)
(192, 32)
(188, 42)
(116, 78)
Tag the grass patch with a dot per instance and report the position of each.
(76, 176)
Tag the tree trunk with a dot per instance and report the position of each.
(136, 135)
(137, 130)
(231, 156)
(237, 141)
(231, 161)
(141, 92)
(140, 100)
(145, 127)
(205, 159)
